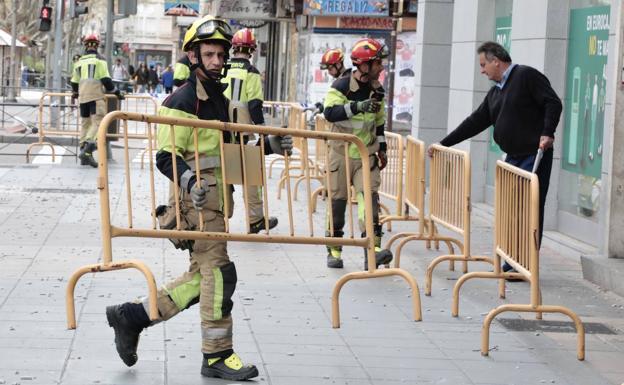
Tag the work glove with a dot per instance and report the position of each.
(319, 107)
(74, 95)
(383, 159)
(368, 105)
(281, 145)
(199, 193)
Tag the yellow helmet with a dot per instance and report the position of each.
(208, 28)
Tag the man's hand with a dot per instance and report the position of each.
(368, 105)
(383, 160)
(119, 94)
(74, 95)
(546, 142)
(281, 145)
(430, 150)
(198, 193)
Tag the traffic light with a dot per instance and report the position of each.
(45, 16)
(80, 8)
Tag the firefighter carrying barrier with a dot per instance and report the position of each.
(390, 176)
(58, 118)
(235, 156)
(516, 241)
(449, 204)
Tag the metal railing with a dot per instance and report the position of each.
(240, 169)
(516, 236)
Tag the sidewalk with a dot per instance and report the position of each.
(49, 221)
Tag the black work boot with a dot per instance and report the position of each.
(127, 330)
(256, 227)
(229, 368)
(334, 260)
(86, 154)
(382, 256)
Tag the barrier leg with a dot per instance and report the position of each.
(136, 264)
(459, 284)
(30, 147)
(417, 311)
(442, 258)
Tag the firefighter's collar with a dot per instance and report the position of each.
(355, 85)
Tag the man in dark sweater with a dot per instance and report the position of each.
(524, 110)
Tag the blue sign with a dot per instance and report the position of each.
(346, 7)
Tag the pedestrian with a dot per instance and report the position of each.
(159, 72)
(89, 75)
(167, 79)
(211, 278)
(141, 77)
(244, 89)
(120, 73)
(181, 71)
(152, 80)
(354, 105)
(524, 110)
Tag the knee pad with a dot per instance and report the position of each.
(228, 285)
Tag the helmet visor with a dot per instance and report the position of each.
(324, 66)
(384, 52)
(208, 29)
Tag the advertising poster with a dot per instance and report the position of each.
(404, 76)
(585, 90)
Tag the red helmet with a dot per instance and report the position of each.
(331, 57)
(244, 38)
(366, 50)
(91, 39)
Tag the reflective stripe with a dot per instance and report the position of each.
(381, 138)
(347, 108)
(218, 294)
(183, 294)
(215, 333)
(145, 303)
(205, 162)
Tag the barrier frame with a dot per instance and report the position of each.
(109, 231)
(515, 189)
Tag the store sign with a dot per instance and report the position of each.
(586, 81)
(365, 23)
(182, 8)
(244, 9)
(346, 7)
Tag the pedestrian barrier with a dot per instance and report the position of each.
(58, 118)
(245, 165)
(449, 204)
(280, 114)
(392, 183)
(516, 241)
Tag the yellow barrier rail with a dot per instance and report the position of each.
(68, 119)
(516, 242)
(135, 225)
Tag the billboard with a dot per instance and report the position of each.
(345, 7)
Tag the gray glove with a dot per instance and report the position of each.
(281, 144)
(368, 105)
(199, 194)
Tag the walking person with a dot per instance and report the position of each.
(90, 80)
(211, 277)
(354, 105)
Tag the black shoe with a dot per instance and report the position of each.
(230, 368)
(86, 154)
(255, 228)
(382, 257)
(126, 334)
(333, 262)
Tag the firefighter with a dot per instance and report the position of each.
(244, 89)
(211, 278)
(89, 80)
(332, 61)
(354, 105)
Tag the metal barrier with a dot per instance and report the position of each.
(449, 205)
(392, 180)
(516, 234)
(242, 161)
(278, 114)
(63, 119)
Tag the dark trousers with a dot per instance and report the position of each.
(525, 162)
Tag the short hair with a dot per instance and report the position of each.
(492, 50)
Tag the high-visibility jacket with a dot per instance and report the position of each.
(245, 91)
(181, 71)
(90, 77)
(193, 100)
(339, 109)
